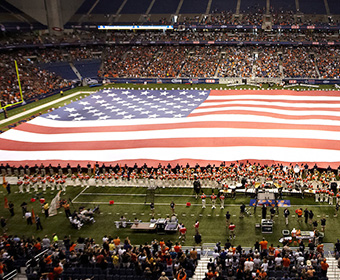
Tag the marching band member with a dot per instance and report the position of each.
(27, 184)
(74, 179)
(34, 181)
(20, 184)
(52, 184)
(317, 194)
(330, 198)
(63, 184)
(213, 201)
(96, 180)
(203, 197)
(43, 184)
(338, 197)
(87, 179)
(222, 197)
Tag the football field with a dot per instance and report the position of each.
(133, 202)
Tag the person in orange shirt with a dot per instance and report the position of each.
(264, 244)
(299, 213)
(285, 262)
(116, 241)
(2, 266)
(73, 247)
(181, 275)
(324, 267)
(48, 259)
(177, 247)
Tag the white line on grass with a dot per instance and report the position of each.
(30, 111)
(73, 200)
(137, 194)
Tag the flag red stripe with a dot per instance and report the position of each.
(11, 145)
(274, 92)
(266, 114)
(32, 128)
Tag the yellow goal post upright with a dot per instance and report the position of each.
(4, 106)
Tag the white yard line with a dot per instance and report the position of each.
(79, 194)
(30, 111)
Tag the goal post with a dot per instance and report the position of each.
(4, 106)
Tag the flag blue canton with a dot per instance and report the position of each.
(112, 104)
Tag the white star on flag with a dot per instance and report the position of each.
(93, 111)
(70, 110)
(112, 95)
(128, 117)
(145, 92)
(183, 92)
(103, 118)
(164, 93)
(125, 92)
(100, 101)
(84, 103)
(98, 114)
(73, 115)
(96, 96)
(88, 108)
(53, 117)
(79, 118)
(153, 116)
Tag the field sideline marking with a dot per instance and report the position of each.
(73, 200)
(179, 204)
(42, 106)
(138, 194)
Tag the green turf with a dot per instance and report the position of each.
(212, 221)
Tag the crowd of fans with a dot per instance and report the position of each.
(54, 258)
(34, 81)
(298, 63)
(161, 61)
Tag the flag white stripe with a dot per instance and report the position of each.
(274, 97)
(169, 154)
(18, 135)
(269, 110)
(211, 117)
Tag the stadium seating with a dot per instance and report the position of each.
(62, 69)
(312, 6)
(88, 68)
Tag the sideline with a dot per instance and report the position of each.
(30, 111)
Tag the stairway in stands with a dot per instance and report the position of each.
(333, 272)
(201, 268)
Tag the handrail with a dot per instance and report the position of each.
(28, 263)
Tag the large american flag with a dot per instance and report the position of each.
(183, 126)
